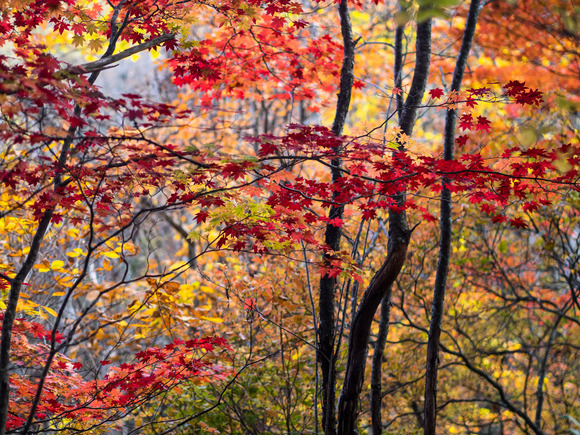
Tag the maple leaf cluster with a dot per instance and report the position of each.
(69, 401)
(522, 94)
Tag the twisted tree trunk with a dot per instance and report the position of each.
(399, 235)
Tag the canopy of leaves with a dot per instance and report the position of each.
(161, 246)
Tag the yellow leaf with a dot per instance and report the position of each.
(59, 294)
(50, 311)
(95, 44)
(178, 265)
(75, 252)
(72, 232)
(212, 319)
(206, 289)
(57, 264)
(154, 54)
(78, 40)
(111, 254)
(561, 163)
(44, 267)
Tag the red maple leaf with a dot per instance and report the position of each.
(478, 91)
(436, 93)
(201, 216)
(299, 24)
(483, 124)
(429, 217)
(518, 223)
(337, 222)
(499, 218)
(461, 140)
(514, 87)
(471, 103)
(465, 121)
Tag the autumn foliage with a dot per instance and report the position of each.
(165, 237)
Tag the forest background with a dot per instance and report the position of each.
(289, 217)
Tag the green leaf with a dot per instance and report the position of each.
(437, 4)
(402, 18)
(425, 14)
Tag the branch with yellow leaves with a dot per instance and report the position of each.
(104, 62)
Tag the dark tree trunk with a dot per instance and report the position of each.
(326, 328)
(10, 315)
(399, 235)
(446, 231)
(359, 336)
(376, 371)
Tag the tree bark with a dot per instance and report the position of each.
(10, 315)
(326, 328)
(445, 224)
(376, 371)
(399, 236)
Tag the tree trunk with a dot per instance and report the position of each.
(376, 371)
(399, 235)
(326, 329)
(446, 231)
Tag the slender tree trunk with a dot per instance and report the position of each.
(446, 232)
(399, 236)
(326, 329)
(18, 281)
(10, 315)
(347, 71)
(376, 371)
(542, 372)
